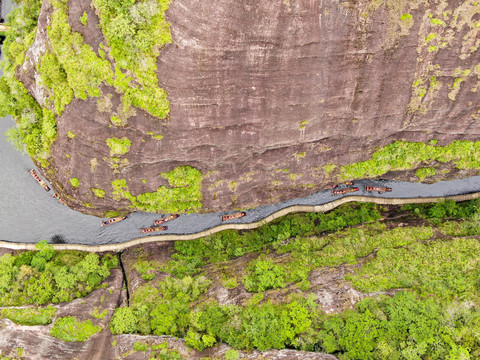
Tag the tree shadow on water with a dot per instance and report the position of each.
(57, 239)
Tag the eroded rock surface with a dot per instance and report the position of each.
(36, 342)
(265, 93)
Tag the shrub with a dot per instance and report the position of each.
(231, 354)
(123, 321)
(118, 146)
(138, 346)
(69, 329)
(264, 275)
(426, 268)
(84, 18)
(404, 327)
(75, 182)
(191, 255)
(98, 192)
(422, 173)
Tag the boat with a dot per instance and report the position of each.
(113, 220)
(344, 191)
(39, 179)
(377, 188)
(165, 219)
(153, 229)
(57, 197)
(234, 216)
(349, 183)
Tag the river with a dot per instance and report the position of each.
(29, 214)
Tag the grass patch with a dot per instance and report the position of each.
(70, 330)
(30, 316)
(84, 19)
(422, 173)
(98, 192)
(427, 268)
(118, 146)
(112, 213)
(155, 136)
(139, 346)
(75, 182)
(98, 315)
(329, 169)
(117, 121)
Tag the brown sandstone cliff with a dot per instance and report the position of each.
(265, 93)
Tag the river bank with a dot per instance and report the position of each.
(244, 226)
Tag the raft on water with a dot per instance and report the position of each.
(39, 179)
(153, 229)
(165, 219)
(233, 216)
(57, 197)
(377, 188)
(113, 220)
(344, 191)
(346, 183)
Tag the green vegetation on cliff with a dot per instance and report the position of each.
(118, 146)
(403, 155)
(182, 194)
(135, 33)
(36, 127)
(67, 78)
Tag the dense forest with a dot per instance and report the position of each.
(414, 270)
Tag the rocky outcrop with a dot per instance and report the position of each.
(36, 343)
(125, 344)
(265, 94)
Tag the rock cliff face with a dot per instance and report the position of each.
(264, 94)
